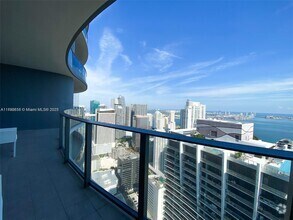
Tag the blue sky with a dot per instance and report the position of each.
(229, 55)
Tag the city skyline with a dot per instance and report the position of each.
(239, 64)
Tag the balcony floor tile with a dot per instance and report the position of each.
(38, 185)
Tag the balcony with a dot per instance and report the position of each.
(274, 191)
(267, 214)
(239, 208)
(240, 199)
(76, 67)
(210, 173)
(84, 168)
(36, 184)
(241, 176)
(208, 162)
(240, 188)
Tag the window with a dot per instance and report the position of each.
(214, 133)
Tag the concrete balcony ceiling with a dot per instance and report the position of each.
(37, 34)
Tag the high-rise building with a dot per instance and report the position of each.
(219, 184)
(159, 121)
(182, 118)
(150, 116)
(172, 116)
(128, 171)
(141, 121)
(192, 112)
(120, 120)
(121, 100)
(94, 105)
(166, 122)
(137, 109)
(114, 101)
(127, 116)
(155, 197)
(104, 138)
(159, 148)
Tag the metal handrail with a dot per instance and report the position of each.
(144, 160)
(281, 154)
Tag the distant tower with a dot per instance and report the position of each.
(158, 120)
(150, 116)
(104, 139)
(141, 121)
(128, 116)
(172, 123)
(159, 152)
(120, 120)
(193, 111)
(182, 118)
(94, 105)
(137, 109)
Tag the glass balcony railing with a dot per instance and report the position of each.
(137, 174)
(76, 67)
(85, 33)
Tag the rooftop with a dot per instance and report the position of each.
(38, 185)
(227, 122)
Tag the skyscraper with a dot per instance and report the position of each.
(128, 171)
(158, 120)
(137, 109)
(182, 118)
(172, 123)
(150, 116)
(94, 105)
(192, 112)
(120, 120)
(128, 116)
(141, 121)
(104, 138)
(155, 197)
(220, 184)
(159, 152)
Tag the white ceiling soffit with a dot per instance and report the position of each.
(36, 34)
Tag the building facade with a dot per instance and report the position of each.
(192, 112)
(234, 131)
(104, 138)
(205, 183)
(94, 106)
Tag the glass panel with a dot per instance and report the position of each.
(188, 181)
(156, 178)
(77, 143)
(76, 66)
(115, 163)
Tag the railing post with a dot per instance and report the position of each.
(61, 132)
(67, 139)
(143, 176)
(88, 154)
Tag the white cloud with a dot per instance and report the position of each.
(100, 78)
(191, 70)
(160, 59)
(126, 59)
(255, 88)
(110, 48)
